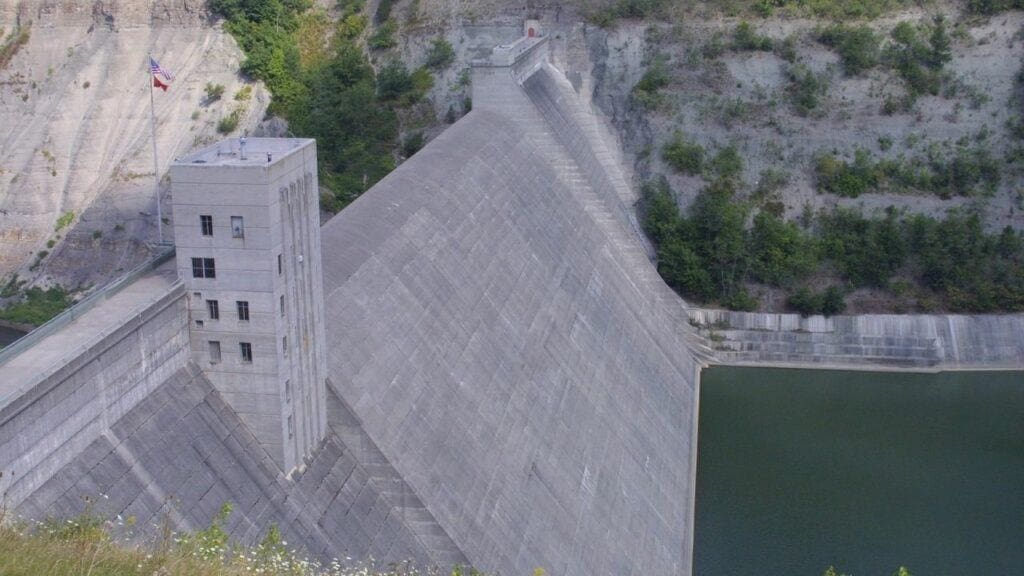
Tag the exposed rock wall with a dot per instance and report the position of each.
(75, 131)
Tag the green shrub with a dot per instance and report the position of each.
(64, 220)
(744, 37)
(807, 303)
(213, 92)
(658, 211)
(843, 178)
(866, 252)
(727, 163)
(781, 254)
(393, 81)
(787, 49)
(384, 37)
(917, 62)
(441, 54)
(244, 94)
(37, 306)
(684, 156)
(229, 123)
(648, 90)
(857, 46)
(805, 89)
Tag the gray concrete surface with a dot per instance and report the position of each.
(61, 394)
(179, 455)
(492, 326)
(261, 199)
(879, 341)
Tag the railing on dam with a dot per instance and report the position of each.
(81, 307)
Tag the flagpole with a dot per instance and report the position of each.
(156, 164)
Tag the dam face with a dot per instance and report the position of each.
(508, 383)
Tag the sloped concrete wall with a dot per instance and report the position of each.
(77, 398)
(182, 453)
(489, 333)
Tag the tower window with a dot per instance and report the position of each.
(206, 225)
(243, 309)
(237, 227)
(291, 426)
(213, 309)
(287, 390)
(280, 266)
(203, 268)
(282, 306)
(214, 352)
(246, 349)
(284, 346)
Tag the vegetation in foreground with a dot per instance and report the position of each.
(87, 546)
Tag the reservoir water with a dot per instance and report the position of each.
(799, 470)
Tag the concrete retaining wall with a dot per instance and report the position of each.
(921, 342)
(50, 422)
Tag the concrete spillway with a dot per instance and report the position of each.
(491, 321)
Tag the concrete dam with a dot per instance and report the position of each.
(476, 362)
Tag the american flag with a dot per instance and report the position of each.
(155, 68)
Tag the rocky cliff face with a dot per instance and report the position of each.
(75, 129)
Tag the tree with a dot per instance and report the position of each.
(684, 156)
(940, 44)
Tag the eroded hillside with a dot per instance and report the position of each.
(793, 114)
(76, 163)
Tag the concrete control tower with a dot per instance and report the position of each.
(246, 227)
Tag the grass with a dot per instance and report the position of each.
(87, 546)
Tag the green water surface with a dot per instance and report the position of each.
(799, 470)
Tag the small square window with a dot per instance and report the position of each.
(213, 309)
(246, 349)
(214, 352)
(237, 227)
(203, 268)
(243, 310)
(206, 225)
(199, 323)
